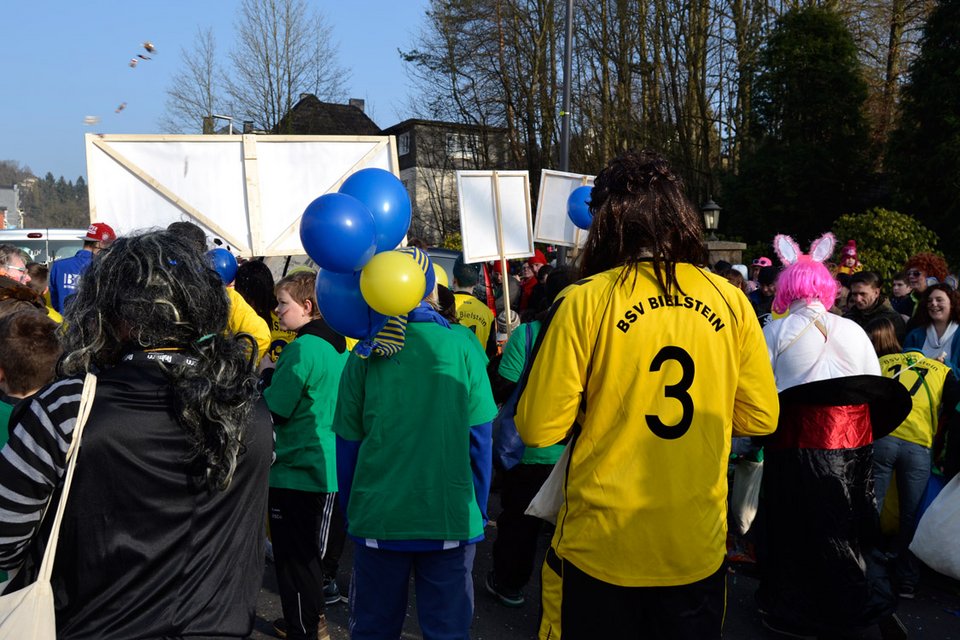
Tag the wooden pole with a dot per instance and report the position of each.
(504, 274)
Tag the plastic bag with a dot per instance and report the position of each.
(745, 495)
(935, 542)
(546, 504)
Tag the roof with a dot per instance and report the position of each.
(406, 125)
(310, 116)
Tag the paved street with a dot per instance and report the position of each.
(933, 615)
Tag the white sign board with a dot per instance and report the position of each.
(482, 194)
(248, 190)
(553, 224)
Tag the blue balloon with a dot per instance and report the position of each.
(387, 199)
(338, 232)
(343, 307)
(223, 262)
(577, 207)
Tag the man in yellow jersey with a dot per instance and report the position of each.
(648, 365)
(472, 313)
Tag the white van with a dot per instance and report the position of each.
(45, 245)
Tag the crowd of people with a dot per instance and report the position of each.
(230, 422)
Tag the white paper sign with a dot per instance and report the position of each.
(553, 224)
(248, 190)
(477, 192)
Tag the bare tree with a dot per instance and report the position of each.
(197, 89)
(282, 49)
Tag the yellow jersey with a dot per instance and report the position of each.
(474, 315)
(924, 378)
(656, 385)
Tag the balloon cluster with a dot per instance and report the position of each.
(578, 206)
(351, 235)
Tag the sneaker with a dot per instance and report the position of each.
(507, 597)
(891, 628)
(331, 592)
(907, 591)
(280, 628)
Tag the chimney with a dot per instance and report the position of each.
(248, 126)
(358, 103)
(207, 125)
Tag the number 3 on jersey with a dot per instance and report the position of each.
(676, 391)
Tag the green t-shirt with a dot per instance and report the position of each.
(412, 413)
(5, 411)
(468, 333)
(512, 362)
(304, 390)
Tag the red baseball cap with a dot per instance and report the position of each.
(100, 232)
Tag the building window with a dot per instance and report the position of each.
(403, 144)
(463, 145)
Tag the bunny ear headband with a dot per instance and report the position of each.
(789, 251)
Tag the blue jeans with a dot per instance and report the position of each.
(444, 586)
(912, 464)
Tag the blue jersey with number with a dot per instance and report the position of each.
(656, 383)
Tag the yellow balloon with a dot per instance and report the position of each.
(441, 274)
(392, 283)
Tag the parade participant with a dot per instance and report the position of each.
(12, 265)
(414, 466)
(516, 543)
(646, 365)
(919, 269)
(528, 278)
(242, 318)
(255, 284)
(174, 457)
(302, 397)
(935, 325)
(909, 449)
(867, 303)
(849, 261)
(65, 273)
(900, 297)
(819, 515)
(762, 297)
(471, 312)
(39, 278)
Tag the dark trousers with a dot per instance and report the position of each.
(299, 523)
(591, 608)
(516, 544)
(443, 581)
(335, 541)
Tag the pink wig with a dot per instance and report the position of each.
(805, 277)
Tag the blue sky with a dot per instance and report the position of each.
(68, 59)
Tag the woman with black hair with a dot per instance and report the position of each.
(163, 530)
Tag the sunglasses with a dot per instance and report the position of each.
(914, 273)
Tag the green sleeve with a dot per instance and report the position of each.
(514, 355)
(289, 380)
(481, 407)
(348, 419)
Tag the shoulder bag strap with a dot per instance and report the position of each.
(86, 402)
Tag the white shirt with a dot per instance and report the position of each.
(812, 344)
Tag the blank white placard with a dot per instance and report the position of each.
(476, 192)
(553, 224)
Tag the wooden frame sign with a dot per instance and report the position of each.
(553, 224)
(248, 190)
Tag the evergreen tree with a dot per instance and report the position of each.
(808, 155)
(925, 149)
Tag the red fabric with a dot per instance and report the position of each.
(823, 427)
(537, 258)
(491, 297)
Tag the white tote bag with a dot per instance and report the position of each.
(938, 533)
(29, 612)
(546, 504)
(745, 495)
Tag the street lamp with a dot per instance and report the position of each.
(711, 217)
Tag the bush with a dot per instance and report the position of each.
(885, 239)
